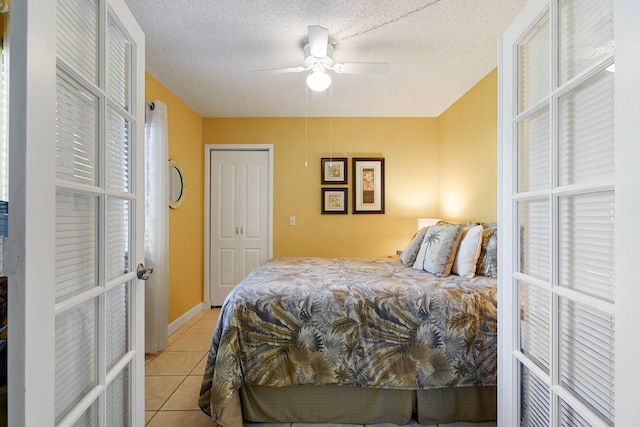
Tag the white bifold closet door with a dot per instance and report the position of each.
(558, 215)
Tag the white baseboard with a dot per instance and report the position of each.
(190, 314)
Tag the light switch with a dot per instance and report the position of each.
(292, 220)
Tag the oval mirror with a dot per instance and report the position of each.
(176, 185)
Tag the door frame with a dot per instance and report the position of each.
(208, 149)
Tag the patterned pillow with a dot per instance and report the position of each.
(409, 254)
(468, 252)
(488, 261)
(438, 249)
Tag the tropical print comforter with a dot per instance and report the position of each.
(351, 322)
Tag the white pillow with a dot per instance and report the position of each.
(409, 253)
(468, 253)
(438, 249)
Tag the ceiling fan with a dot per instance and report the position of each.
(318, 57)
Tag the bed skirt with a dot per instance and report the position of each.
(354, 405)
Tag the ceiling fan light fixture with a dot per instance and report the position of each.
(318, 81)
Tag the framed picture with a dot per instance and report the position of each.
(368, 185)
(334, 200)
(333, 170)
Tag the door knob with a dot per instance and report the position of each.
(143, 273)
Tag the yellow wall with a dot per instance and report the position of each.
(409, 146)
(467, 155)
(186, 224)
(441, 167)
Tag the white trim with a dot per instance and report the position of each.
(190, 314)
(30, 264)
(627, 131)
(208, 148)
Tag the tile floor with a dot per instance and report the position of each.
(173, 378)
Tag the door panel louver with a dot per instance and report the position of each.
(77, 36)
(586, 34)
(535, 331)
(89, 418)
(76, 131)
(569, 417)
(535, 238)
(75, 355)
(533, 66)
(118, 61)
(117, 399)
(587, 356)
(587, 244)
(117, 239)
(586, 133)
(534, 400)
(76, 244)
(117, 309)
(534, 170)
(118, 153)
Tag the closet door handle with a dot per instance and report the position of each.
(236, 230)
(241, 230)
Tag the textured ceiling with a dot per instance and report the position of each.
(207, 51)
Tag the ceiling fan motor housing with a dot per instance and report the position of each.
(310, 60)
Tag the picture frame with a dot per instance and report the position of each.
(335, 200)
(333, 170)
(368, 185)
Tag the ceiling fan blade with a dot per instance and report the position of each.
(281, 70)
(361, 68)
(318, 40)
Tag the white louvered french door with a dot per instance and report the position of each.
(559, 217)
(84, 347)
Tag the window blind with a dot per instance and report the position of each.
(77, 36)
(586, 253)
(534, 168)
(76, 132)
(533, 65)
(586, 133)
(535, 330)
(570, 417)
(586, 32)
(117, 310)
(117, 398)
(118, 152)
(76, 244)
(535, 238)
(117, 237)
(535, 400)
(75, 356)
(118, 63)
(587, 356)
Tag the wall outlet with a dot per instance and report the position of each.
(398, 253)
(292, 220)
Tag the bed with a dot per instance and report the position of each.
(338, 340)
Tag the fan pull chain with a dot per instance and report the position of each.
(306, 126)
(330, 125)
